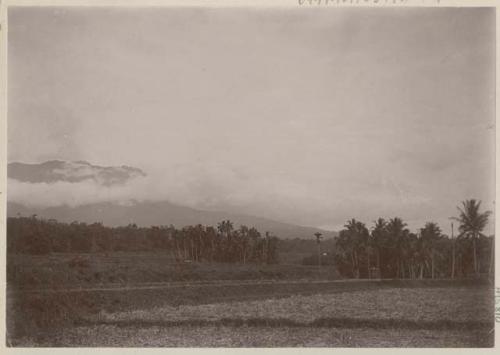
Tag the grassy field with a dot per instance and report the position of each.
(248, 336)
(83, 270)
(404, 307)
(353, 314)
(237, 306)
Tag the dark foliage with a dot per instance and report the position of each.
(34, 236)
(392, 251)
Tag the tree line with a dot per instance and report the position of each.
(390, 250)
(387, 250)
(224, 243)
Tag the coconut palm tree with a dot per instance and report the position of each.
(397, 235)
(453, 252)
(225, 228)
(430, 236)
(472, 222)
(318, 241)
(379, 235)
(357, 235)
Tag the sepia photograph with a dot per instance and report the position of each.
(248, 176)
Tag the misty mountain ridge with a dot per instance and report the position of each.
(114, 213)
(146, 214)
(73, 172)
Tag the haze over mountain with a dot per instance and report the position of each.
(160, 213)
(46, 178)
(76, 171)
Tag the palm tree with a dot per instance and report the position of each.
(472, 223)
(213, 241)
(414, 253)
(225, 228)
(357, 236)
(430, 236)
(244, 242)
(378, 238)
(318, 240)
(492, 255)
(398, 235)
(452, 252)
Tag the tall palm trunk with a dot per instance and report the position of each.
(177, 248)
(476, 270)
(357, 263)
(453, 259)
(192, 250)
(93, 248)
(186, 252)
(378, 262)
(452, 254)
(492, 256)
(319, 255)
(432, 264)
(368, 267)
(212, 251)
(199, 248)
(353, 265)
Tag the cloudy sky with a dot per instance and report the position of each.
(310, 116)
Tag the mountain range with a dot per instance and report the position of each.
(119, 213)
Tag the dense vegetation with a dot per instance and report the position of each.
(49, 295)
(31, 235)
(390, 250)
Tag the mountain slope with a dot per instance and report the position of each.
(160, 213)
(41, 179)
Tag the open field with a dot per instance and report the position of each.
(148, 299)
(249, 336)
(85, 270)
(410, 306)
(343, 313)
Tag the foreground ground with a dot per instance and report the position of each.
(250, 336)
(321, 314)
(148, 299)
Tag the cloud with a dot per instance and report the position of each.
(260, 112)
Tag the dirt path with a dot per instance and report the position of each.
(115, 287)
